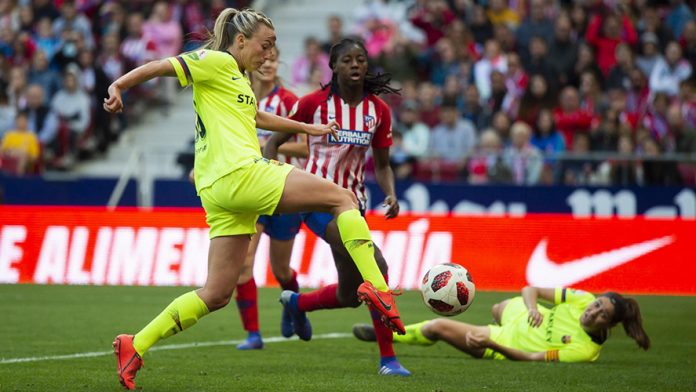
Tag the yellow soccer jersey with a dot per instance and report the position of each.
(225, 113)
(560, 335)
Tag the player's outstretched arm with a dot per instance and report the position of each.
(275, 123)
(478, 341)
(153, 69)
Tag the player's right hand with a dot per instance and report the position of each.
(113, 104)
(535, 318)
(322, 129)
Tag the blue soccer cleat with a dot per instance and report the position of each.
(300, 322)
(252, 342)
(392, 367)
(286, 327)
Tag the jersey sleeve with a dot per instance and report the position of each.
(299, 111)
(575, 297)
(197, 66)
(289, 99)
(575, 352)
(383, 133)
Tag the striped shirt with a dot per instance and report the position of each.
(366, 125)
(279, 102)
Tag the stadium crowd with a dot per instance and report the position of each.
(536, 91)
(57, 59)
(522, 92)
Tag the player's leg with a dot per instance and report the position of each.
(326, 196)
(247, 296)
(497, 311)
(454, 333)
(225, 259)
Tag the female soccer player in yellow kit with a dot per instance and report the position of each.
(234, 182)
(573, 330)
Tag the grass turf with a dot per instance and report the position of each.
(39, 321)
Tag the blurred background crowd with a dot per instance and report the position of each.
(526, 92)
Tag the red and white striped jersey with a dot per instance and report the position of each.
(279, 102)
(366, 125)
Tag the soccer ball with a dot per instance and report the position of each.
(447, 289)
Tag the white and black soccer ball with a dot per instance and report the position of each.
(447, 289)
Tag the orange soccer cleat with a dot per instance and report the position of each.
(383, 302)
(127, 360)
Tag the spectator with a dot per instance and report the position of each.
(679, 16)
(546, 137)
(687, 101)
(432, 17)
(7, 112)
(71, 20)
(688, 42)
(650, 22)
(71, 44)
(110, 59)
(638, 94)
(95, 84)
(614, 30)
(399, 59)
(576, 170)
(20, 145)
(486, 164)
(137, 49)
(445, 63)
(650, 53)
(480, 25)
(570, 118)
(500, 13)
(592, 98)
(525, 160)
(516, 82)
(335, 28)
(605, 137)
(45, 39)
(656, 171)
(45, 9)
(539, 63)
(619, 74)
(563, 50)
(17, 87)
(41, 118)
(44, 76)
(454, 138)
(473, 110)
(655, 120)
(682, 137)
(429, 104)
(585, 61)
(501, 125)
(493, 60)
(312, 60)
(72, 106)
(625, 170)
(163, 31)
(415, 134)
(402, 162)
(670, 71)
(536, 25)
(536, 98)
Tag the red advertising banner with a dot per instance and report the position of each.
(68, 245)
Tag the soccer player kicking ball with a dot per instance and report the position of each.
(234, 182)
(351, 99)
(573, 330)
(281, 228)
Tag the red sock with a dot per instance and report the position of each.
(383, 333)
(247, 305)
(291, 284)
(324, 298)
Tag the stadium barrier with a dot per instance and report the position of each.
(88, 245)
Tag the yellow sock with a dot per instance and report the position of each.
(356, 237)
(414, 335)
(182, 313)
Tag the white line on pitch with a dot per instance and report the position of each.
(274, 339)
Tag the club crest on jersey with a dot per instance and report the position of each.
(348, 136)
(370, 121)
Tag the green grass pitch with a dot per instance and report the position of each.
(44, 321)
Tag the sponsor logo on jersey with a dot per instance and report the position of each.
(270, 109)
(356, 138)
(370, 121)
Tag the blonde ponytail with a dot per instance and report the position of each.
(231, 22)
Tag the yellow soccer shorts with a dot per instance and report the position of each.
(234, 202)
(502, 334)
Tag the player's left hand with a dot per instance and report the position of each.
(475, 340)
(323, 129)
(392, 205)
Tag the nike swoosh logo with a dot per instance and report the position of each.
(387, 307)
(543, 272)
(237, 78)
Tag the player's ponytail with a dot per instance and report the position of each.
(231, 22)
(627, 312)
(374, 83)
